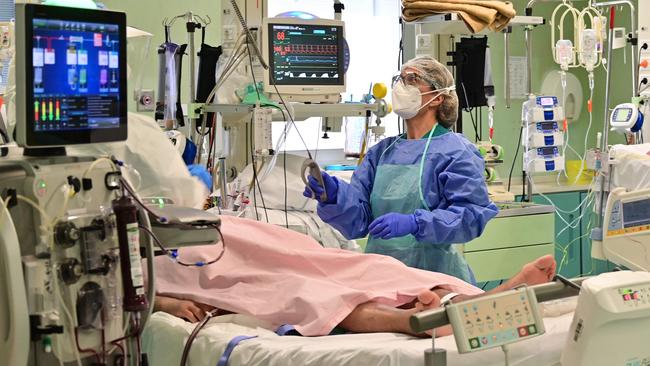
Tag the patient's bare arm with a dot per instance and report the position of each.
(186, 309)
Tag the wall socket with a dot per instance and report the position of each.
(145, 100)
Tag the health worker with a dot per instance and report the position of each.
(419, 193)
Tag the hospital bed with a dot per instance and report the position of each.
(165, 336)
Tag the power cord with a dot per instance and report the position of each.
(514, 159)
(506, 352)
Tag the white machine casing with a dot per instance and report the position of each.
(542, 117)
(536, 139)
(542, 108)
(624, 117)
(626, 237)
(299, 93)
(611, 324)
(41, 180)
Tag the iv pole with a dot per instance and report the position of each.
(192, 23)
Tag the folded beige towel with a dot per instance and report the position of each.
(477, 14)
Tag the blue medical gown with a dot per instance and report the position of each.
(453, 187)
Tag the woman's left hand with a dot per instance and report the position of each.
(393, 225)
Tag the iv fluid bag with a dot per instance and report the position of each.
(354, 136)
(588, 49)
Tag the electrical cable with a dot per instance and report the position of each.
(512, 167)
(256, 179)
(506, 352)
(479, 117)
(284, 170)
(252, 150)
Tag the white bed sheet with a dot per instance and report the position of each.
(632, 170)
(165, 336)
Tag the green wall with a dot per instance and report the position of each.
(507, 121)
(148, 15)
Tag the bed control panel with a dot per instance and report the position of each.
(495, 320)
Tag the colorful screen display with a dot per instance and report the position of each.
(76, 75)
(306, 54)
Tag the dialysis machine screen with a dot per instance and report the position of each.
(75, 87)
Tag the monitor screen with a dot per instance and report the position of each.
(636, 213)
(306, 54)
(622, 114)
(75, 76)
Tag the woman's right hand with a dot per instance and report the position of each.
(331, 187)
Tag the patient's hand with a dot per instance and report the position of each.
(186, 309)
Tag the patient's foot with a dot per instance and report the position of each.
(536, 272)
(427, 300)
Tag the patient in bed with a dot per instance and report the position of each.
(282, 277)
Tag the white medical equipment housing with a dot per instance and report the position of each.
(305, 57)
(611, 325)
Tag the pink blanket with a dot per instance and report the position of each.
(283, 277)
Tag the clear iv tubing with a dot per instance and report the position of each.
(69, 316)
(281, 141)
(564, 126)
(575, 223)
(532, 183)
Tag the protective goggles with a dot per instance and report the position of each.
(414, 79)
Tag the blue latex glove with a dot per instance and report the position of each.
(331, 187)
(393, 225)
(200, 172)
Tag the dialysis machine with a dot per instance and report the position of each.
(72, 286)
(67, 301)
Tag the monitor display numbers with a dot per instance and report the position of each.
(76, 70)
(636, 213)
(622, 114)
(547, 101)
(305, 54)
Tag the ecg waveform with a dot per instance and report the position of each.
(306, 49)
